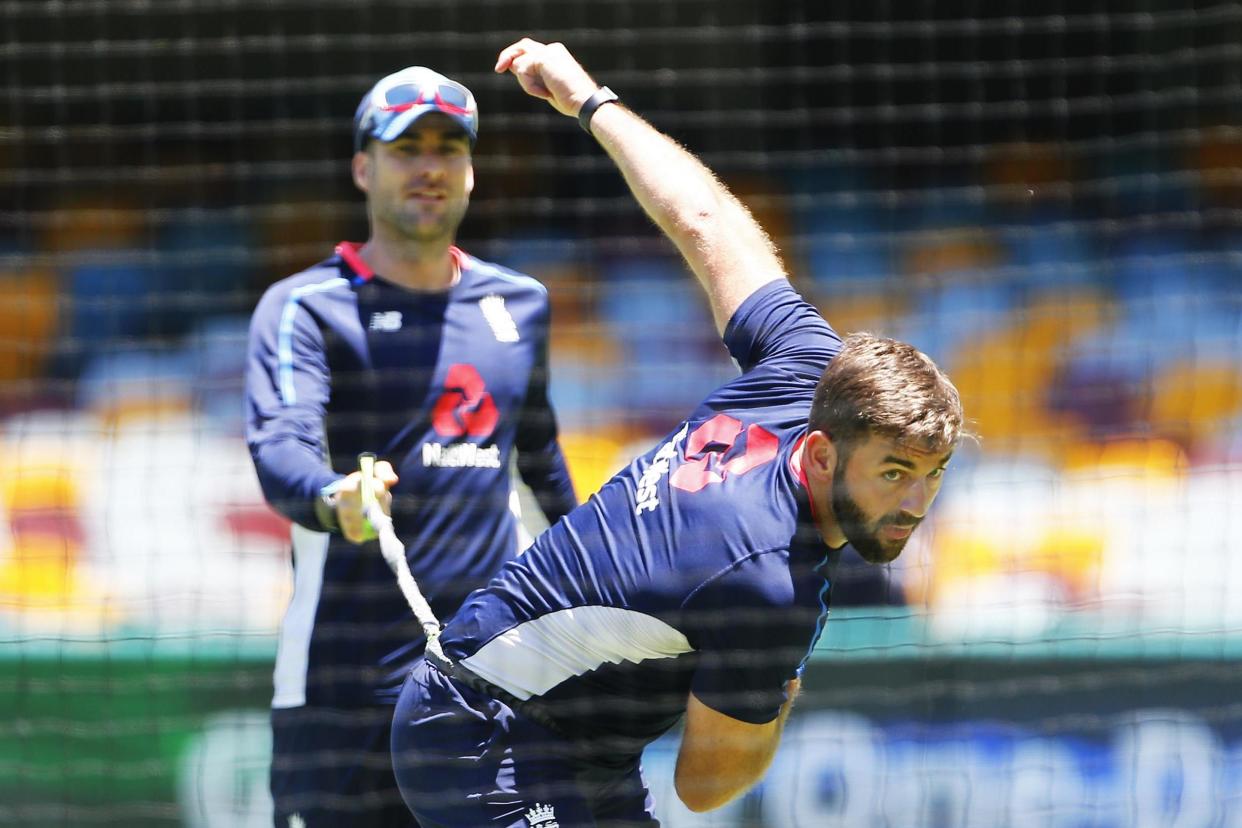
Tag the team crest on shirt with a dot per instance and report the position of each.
(499, 318)
(542, 816)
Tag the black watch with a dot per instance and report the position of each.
(602, 96)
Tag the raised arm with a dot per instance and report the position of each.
(728, 251)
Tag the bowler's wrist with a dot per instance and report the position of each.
(586, 111)
(325, 506)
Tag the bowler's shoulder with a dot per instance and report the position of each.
(323, 277)
(500, 279)
(282, 300)
(736, 484)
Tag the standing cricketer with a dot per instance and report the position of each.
(411, 348)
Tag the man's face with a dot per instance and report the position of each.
(419, 185)
(881, 491)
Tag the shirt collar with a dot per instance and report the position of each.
(799, 473)
(352, 257)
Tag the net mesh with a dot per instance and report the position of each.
(1044, 196)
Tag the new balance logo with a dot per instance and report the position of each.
(541, 816)
(296, 821)
(499, 318)
(385, 321)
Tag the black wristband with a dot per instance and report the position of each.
(602, 96)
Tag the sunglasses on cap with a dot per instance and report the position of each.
(396, 102)
(450, 97)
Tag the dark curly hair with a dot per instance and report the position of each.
(888, 388)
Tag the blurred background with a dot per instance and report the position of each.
(1045, 196)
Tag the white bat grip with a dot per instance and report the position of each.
(394, 552)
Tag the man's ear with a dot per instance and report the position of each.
(361, 169)
(470, 179)
(819, 457)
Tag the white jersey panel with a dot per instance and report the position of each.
(531, 659)
(310, 552)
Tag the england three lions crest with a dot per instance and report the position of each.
(498, 318)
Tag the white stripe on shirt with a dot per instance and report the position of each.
(284, 336)
(310, 553)
(532, 658)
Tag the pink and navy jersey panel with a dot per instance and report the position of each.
(696, 569)
(444, 385)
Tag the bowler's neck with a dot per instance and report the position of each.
(414, 266)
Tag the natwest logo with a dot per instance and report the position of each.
(461, 456)
(465, 408)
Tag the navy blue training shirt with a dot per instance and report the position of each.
(697, 569)
(444, 385)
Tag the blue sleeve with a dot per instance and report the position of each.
(540, 460)
(287, 388)
(751, 639)
(777, 326)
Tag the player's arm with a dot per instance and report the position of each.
(728, 251)
(722, 757)
(287, 387)
(752, 639)
(540, 460)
